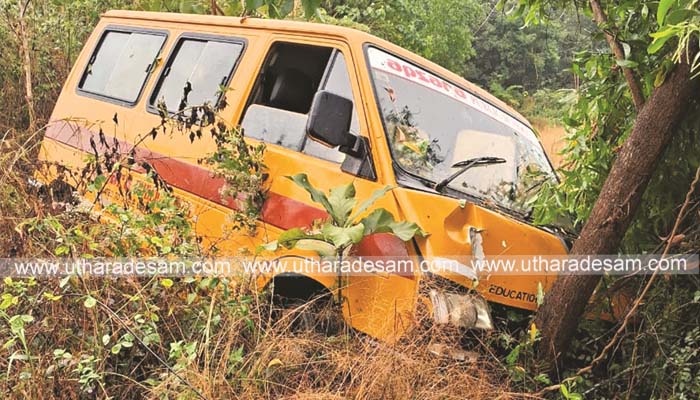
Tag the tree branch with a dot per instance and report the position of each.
(601, 19)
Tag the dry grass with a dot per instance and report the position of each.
(239, 348)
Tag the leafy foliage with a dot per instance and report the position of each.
(241, 166)
(439, 30)
(599, 121)
(342, 229)
(532, 57)
(257, 8)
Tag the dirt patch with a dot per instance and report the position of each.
(553, 140)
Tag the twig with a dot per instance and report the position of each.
(476, 31)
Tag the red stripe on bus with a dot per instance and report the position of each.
(280, 211)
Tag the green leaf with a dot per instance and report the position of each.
(664, 6)
(657, 44)
(97, 184)
(50, 297)
(407, 230)
(286, 8)
(564, 391)
(271, 246)
(289, 237)
(376, 195)
(253, 5)
(310, 7)
(342, 201)
(321, 247)
(381, 221)
(627, 63)
(90, 302)
(377, 221)
(8, 300)
(512, 357)
(543, 378)
(62, 250)
(343, 236)
(316, 195)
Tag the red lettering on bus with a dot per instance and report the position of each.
(409, 72)
(421, 75)
(394, 65)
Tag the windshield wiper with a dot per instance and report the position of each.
(466, 165)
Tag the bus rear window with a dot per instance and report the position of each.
(121, 63)
(196, 72)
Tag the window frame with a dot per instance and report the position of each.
(124, 29)
(152, 108)
(336, 50)
(335, 53)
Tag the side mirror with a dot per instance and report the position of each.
(329, 120)
(329, 123)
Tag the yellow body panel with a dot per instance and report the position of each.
(382, 306)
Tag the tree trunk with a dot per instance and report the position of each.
(26, 63)
(565, 302)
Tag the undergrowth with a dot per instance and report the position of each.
(187, 338)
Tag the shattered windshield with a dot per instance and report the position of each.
(432, 124)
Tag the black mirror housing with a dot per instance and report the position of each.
(329, 120)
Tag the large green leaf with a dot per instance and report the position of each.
(316, 195)
(376, 195)
(627, 63)
(342, 201)
(377, 221)
(289, 237)
(321, 247)
(286, 7)
(343, 236)
(253, 5)
(310, 7)
(297, 238)
(381, 221)
(407, 230)
(270, 246)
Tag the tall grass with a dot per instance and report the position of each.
(192, 338)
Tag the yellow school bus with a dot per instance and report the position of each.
(341, 106)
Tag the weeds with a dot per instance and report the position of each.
(178, 338)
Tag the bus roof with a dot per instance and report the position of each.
(349, 34)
